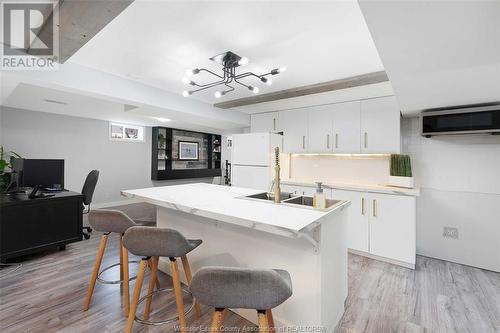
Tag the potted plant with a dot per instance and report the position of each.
(6, 167)
(400, 171)
(161, 141)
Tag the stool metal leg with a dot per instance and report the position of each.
(125, 279)
(217, 320)
(263, 324)
(270, 320)
(178, 294)
(137, 294)
(93, 277)
(152, 282)
(189, 277)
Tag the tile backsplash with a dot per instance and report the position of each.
(357, 169)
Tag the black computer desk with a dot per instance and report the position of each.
(32, 225)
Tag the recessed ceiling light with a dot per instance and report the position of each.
(163, 120)
(54, 101)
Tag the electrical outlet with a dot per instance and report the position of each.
(449, 232)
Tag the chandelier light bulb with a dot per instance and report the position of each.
(269, 82)
(278, 70)
(186, 93)
(217, 94)
(243, 61)
(185, 80)
(255, 90)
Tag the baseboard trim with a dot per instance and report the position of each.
(384, 259)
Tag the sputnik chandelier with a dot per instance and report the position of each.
(229, 62)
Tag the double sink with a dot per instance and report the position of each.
(290, 199)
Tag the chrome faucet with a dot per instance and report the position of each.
(276, 181)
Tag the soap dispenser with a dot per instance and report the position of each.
(319, 200)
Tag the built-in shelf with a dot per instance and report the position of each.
(165, 162)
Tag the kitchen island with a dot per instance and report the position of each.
(245, 232)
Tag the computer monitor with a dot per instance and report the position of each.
(44, 172)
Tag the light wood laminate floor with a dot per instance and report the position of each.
(46, 295)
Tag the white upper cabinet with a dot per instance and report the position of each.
(335, 128)
(264, 122)
(346, 127)
(368, 126)
(380, 125)
(320, 120)
(293, 123)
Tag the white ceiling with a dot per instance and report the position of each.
(154, 42)
(33, 97)
(438, 53)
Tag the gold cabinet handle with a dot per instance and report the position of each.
(274, 124)
(303, 142)
(375, 213)
(328, 141)
(363, 208)
(366, 139)
(336, 140)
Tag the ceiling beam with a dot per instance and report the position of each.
(348, 82)
(81, 20)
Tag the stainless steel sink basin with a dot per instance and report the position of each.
(306, 201)
(268, 196)
(293, 201)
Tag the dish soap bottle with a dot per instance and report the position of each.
(319, 200)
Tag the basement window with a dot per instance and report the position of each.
(126, 132)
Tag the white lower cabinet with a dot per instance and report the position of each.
(358, 226)
(382, 225)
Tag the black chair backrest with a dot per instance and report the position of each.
(89, 186)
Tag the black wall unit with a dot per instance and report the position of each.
(165, 161)
(33, 225)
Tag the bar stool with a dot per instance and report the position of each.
(111, 221)
(154, 243)
(242, 288)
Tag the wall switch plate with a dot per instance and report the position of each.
(449, 232)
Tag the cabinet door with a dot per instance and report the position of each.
(346, 127)
(392, 226)
(320, 120)
(380, 125)
(264, 122)
(293, 123)
(358, 225)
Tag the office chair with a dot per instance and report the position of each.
(88, 192)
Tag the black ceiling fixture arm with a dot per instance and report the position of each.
(229, 62)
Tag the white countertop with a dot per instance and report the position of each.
(223, 203)
(356, 187)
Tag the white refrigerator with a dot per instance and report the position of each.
(252, 159)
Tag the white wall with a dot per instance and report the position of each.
(84, 145)
(459, 178)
